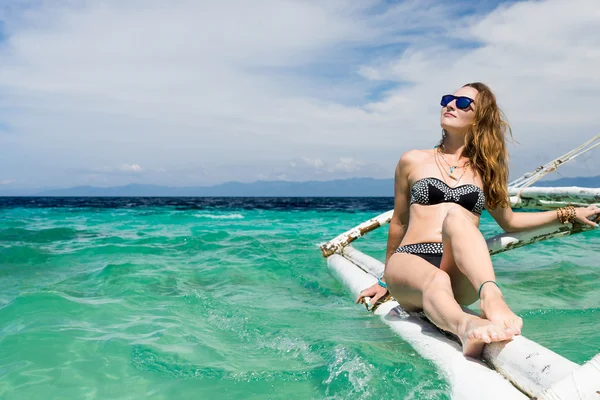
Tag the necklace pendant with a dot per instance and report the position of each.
(451, 169)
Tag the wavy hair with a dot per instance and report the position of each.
(485, 146)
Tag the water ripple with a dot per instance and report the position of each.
(176, 298)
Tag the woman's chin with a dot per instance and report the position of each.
(450, 126)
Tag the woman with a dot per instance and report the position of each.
(437, 259)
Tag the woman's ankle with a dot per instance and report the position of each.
(489, 290)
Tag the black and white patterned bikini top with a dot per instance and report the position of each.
(430, 191)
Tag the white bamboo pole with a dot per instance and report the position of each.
(531, 367)
(469, 379)
(583, 381)
(337, 243)
(529, 178)
(514, 240)
(497, 244)
(547, 198)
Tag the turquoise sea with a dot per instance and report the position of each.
(230, 298)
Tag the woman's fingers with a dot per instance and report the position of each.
(590, 223)
(595, 210)
(363, 294)
(588, 212)
(375, 292)
(376, 298)
(359, 298)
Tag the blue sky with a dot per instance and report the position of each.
(198, 93)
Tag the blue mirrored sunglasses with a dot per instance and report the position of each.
(462, 102)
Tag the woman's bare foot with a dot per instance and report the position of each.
(495, 309)
(475, 332)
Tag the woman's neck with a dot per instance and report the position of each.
(453, 144)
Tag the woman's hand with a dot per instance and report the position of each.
(583, 213)
(375, 292)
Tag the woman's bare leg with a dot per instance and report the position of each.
(417, 284)
(466, 245)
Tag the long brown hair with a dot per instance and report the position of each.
(485, 147)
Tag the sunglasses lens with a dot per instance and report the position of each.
(463, 102)
(446, 100)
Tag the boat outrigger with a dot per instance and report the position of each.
(518, 369)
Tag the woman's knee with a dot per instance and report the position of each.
(439, 283)
(455, 220)
(439, 280)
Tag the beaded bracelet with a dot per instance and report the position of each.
(561, 213)
(566, 214)
(572, 214)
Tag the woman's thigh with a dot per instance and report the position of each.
(407, 275)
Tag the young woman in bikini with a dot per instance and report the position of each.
(437, 259)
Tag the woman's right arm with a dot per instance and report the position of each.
(398, 223)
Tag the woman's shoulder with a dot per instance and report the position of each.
(414, 156)
(411, 159)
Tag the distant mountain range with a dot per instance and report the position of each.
(354, 187)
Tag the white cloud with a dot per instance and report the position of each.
(6, 182)
(306, 168)
(131, 168)
(312, 163)
(193, 90)
(117, 169)
(348, 164)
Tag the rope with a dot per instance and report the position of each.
(531, 177)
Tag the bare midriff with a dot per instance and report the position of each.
(425, 223)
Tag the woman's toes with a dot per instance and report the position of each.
(485, 336)
(516, 325)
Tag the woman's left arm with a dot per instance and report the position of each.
(512, 221)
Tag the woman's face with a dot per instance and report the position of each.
(454, 119)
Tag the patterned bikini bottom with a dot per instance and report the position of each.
(430, 252)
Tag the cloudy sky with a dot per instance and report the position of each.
(187, 92)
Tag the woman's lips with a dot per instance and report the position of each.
(449, 115)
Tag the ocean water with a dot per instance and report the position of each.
(230, 298)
